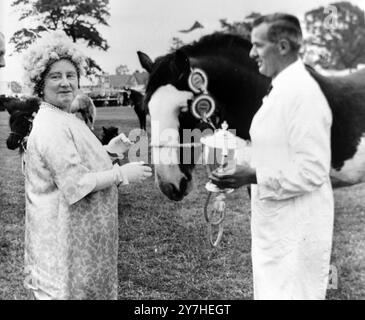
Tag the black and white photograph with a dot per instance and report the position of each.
(205, 152)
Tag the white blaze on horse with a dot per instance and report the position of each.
(237, 89)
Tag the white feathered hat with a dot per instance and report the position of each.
(50, 48)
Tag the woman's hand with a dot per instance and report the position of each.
(119, 145)
(237, 177)
(135, 172)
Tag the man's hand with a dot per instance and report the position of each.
(234, 178)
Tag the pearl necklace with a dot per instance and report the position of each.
(46, 105)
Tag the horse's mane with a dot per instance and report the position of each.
(213, 44)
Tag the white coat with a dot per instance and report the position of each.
(292, 202)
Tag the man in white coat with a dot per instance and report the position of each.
(292, 198)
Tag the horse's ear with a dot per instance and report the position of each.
(182, 62)
(104, 129)
(145, 61)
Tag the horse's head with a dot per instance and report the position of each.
(233, 82)
(21, 118)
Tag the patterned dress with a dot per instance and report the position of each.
(71, 240)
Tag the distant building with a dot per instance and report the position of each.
(142, 78)
(137, 81)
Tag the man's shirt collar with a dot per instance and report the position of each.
(286, 75)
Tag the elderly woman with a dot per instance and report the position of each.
(71, 241)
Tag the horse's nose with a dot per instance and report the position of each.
(173, 193)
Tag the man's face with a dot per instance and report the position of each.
(2, 51)
(265, 52)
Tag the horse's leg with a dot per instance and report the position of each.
(141, 117)
(143, 121)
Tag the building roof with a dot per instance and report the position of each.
(141, 77)
(120, 81)
(125, 80)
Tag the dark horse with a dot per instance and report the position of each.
(22, 113)
(238, 88)
(108, 134)
(134, 98)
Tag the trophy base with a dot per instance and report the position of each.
(211, 187)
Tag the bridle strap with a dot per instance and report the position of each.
(177, 145)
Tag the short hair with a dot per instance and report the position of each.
(282, 25)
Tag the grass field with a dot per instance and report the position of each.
(164, 252)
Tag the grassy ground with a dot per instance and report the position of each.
(164, 251)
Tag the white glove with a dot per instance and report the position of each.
(118, 145)
(133, 172)
(130, 172)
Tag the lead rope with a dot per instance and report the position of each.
(23, 162)
(219, 210)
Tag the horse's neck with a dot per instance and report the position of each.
(239, 105)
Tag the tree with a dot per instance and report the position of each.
(337, 32)
(242, 28)
(78, 18)
(122, 69)
(176, 44)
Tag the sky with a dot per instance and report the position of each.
(150, 25)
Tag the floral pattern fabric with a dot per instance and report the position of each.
(71, 241)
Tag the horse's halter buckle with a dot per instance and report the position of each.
(203, 105)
